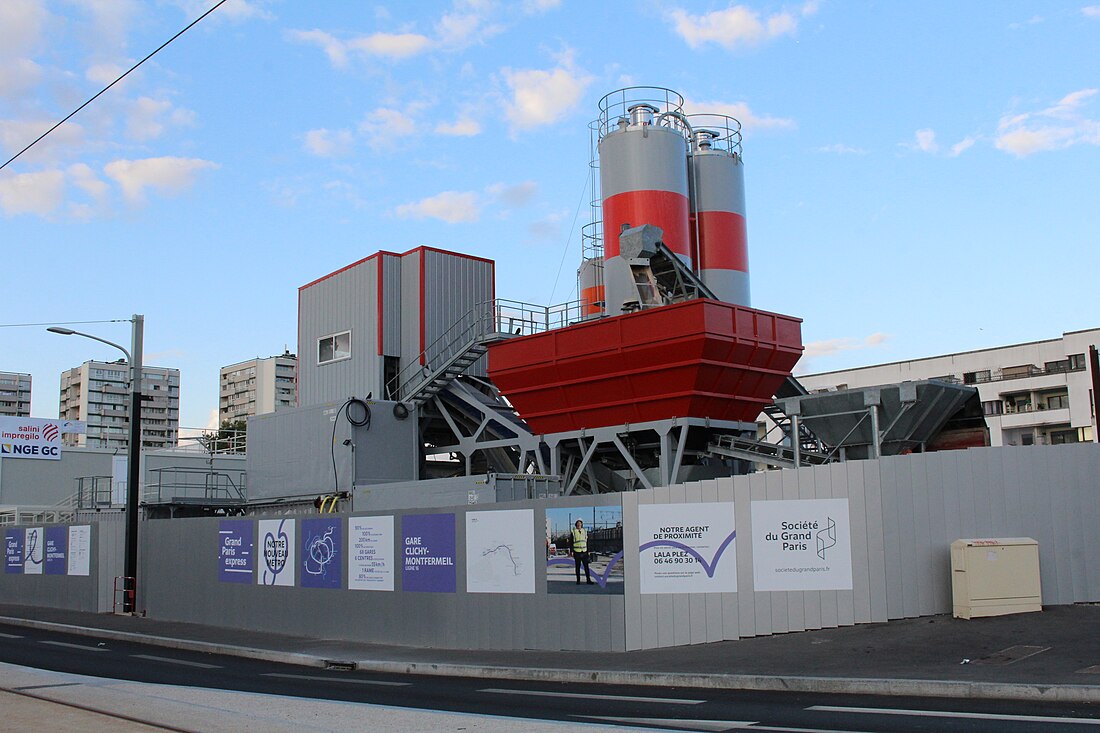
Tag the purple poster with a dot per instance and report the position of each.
(57, 541)
(321, 543)
(428, 553)
(236, 553)
(13, 551)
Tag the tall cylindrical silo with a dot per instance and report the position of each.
(643, 180)
(718, 214)
(590, 276)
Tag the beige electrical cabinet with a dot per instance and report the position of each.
(994, 577)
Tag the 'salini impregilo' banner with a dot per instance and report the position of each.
(687, 548)
(32, 437)
(801, 544)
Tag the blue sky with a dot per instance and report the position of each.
(921, 178)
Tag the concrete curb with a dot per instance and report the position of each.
(770, 683)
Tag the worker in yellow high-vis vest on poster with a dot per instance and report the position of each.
(579, 546)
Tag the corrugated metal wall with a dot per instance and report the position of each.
(453, 286)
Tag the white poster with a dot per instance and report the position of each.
(80, 550)
(30, 437)
(687, 548)
(119, 477)
(801, 544)
(500, 551)
(370, 553)
(276, 549)
(34, 551)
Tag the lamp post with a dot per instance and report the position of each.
(133, 452)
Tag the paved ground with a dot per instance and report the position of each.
(1053, 655)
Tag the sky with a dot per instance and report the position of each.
(921, 178)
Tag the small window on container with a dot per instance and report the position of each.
(334, 347)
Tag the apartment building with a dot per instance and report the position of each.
(257, 386)
(1034, 393)
(98, 393)
(15, 394)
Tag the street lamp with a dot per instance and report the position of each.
(133, 452)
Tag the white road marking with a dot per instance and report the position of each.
(587, 696)
(717, 726)
(343, 680)
(184, 662)
(955, 714)
(9, 636)
(78, 646)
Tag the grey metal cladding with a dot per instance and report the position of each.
(453, 286)
(633, 160)
(718, 180)
(392, 305)
(344, 301)
(410, 345)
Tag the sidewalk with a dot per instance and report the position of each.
(1053, 655)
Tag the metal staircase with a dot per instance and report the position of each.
(781, 456)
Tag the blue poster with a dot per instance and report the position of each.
(321, 543)
(428, 553)
(57, 541)
(13, 551)
(236, 553)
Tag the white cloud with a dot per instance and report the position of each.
(329, 143)
(829, 347)
(84, 178)
(17, 134)
(390, 45)
(112, 20)
(737, 26)
(516, 195)
(962, 146)
(21, 25)
(842, 149)
(540, 6)
(740, 111)
(382, 45)
(541, 97)
(1091, 11)
(235, 10)
(470, 23)
(926, 141)
(31, 193)
(167, 174)
(464, 126)
(1056, 127)
(453, 207)
(148, 118)
(385, 125)
(106, 73)
(19, 76)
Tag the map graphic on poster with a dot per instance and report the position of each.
(56, 540)
(80, 549)
(428, 553)
(500, 551)
(321, 542)
(277, 552)
(687, 548)
(34, 551)
(370, 553)
(801, 544)
(236, 555)
(13, 551)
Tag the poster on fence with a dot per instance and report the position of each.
(500, 551)
(34, 551)
(687, 548)
(277, 548)
(79, 561)
(428, 553)
(321, 543)
(801, 544)
(599, 569)
(370, 553)
(236, 556)
(56, 542)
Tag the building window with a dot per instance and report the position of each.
(993, 407)
(335, 347)
(1027, 439)
(1057, 401)
(1061, 437)
(976, 377)
(1076, 362)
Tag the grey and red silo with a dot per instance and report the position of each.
(644, 179)
(682, 173)
(718, 213)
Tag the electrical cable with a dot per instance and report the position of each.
(362, 421)
(116, 81)
(572, 228)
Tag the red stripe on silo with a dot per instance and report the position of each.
(592, 300)
(665, 209)
(724, 241)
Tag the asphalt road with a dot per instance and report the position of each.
(571, 705)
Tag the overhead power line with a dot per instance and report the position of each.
(116, 81)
